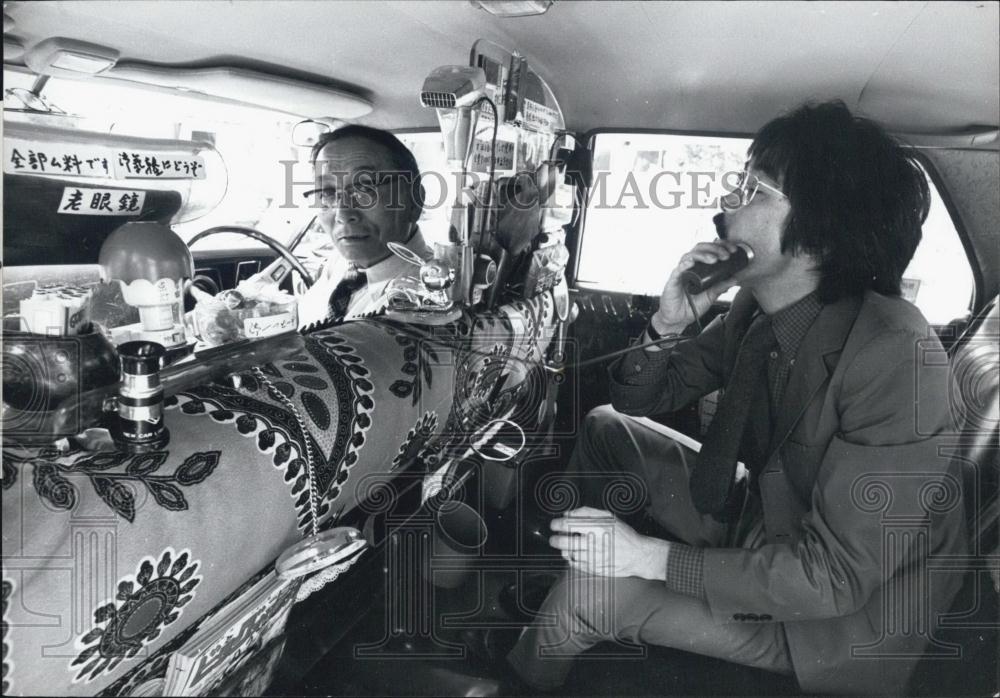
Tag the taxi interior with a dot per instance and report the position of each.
(627, 90)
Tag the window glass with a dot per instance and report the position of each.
(17, 79)
(254, 144)
(654, 196)
(428, 148)
(939, 279)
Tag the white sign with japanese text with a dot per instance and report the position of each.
(145, 164)
(481, 150)
(68, 160)
(75, 160)
(539, 116)
(84, 201)
(266, 326)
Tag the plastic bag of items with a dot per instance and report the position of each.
(235, 314)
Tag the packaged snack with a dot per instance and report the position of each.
(231, 316)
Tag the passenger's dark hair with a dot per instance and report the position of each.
(402, 158)
(858, 198)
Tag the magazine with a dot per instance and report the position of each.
(254, 677)
(231, 638)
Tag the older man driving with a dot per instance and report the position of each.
(368, 185)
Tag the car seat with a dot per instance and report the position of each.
(972, 622)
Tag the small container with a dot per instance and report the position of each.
(459, 536)
(140, 398)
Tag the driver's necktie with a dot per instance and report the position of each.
(340, 299)
(715, 470)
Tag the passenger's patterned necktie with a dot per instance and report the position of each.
(340, 299)
(713, 476)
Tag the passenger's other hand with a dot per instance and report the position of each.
(595, 542)
(674, 313)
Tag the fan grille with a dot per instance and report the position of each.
(439, 100)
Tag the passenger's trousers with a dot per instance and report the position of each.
(625, 465)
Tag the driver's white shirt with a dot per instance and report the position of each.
(314, 304)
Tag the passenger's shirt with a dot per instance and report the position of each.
(314, 304)
(790, 326)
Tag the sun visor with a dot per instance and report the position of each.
(250, 87)
(65, 190)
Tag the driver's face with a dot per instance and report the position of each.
(364, 206)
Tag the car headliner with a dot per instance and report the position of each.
(919, 67)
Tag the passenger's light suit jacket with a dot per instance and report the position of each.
(858, 492)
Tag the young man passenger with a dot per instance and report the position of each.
(370, 193)
(818, 358)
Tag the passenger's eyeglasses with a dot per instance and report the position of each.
(746, 189)
(363, 193)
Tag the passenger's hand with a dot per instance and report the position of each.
(595, 542)
(674, 313)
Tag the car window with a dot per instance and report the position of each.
(428, 148)
(939, 279)
(254, 145)
(653, 198)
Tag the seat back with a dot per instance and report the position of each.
(971, 623)
(975, 362)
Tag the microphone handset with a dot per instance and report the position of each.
(702, 276)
